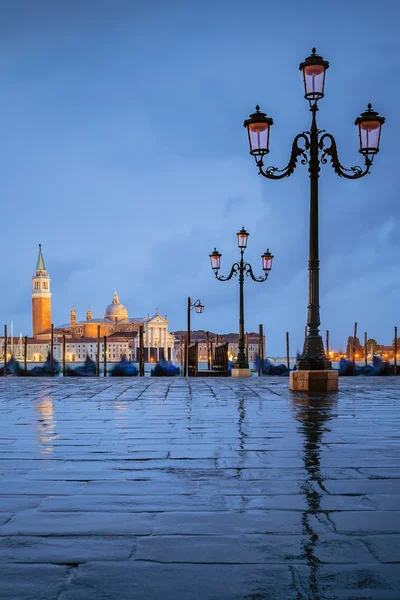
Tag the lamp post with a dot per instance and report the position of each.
(199, 308)
(241, 367)
(313, 148)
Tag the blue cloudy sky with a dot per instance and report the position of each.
(123, 153)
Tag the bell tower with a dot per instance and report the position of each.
(41, 297)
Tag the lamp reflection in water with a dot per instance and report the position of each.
(45, 425)
(312, 413)
(121, 415)
(242, 437)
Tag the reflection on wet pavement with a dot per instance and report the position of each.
(213, 489)
(45, 425)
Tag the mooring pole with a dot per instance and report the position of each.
(260, 349)
(98, 352)
(365, 349)
(354, 348)
(395, 351)
(5, 350)
(52, 351)
(208, 350)
(25, 352)
(327, 342)
(63, 355)
(181, 351)
(183, 344)
(105, 356)
(186, 356)
(287, 351)
(141, 352)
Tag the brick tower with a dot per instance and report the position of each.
(41, 297)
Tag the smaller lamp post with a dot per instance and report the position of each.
(199, 308)
(241, 367)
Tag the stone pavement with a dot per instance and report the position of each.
(214, 489)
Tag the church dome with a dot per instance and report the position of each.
(115, 311)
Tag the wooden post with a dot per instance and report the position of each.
(365, 349)
(327, 343)
(186, 356)
(181, 351)
(5, 350)
(63, 355)
(98, 352)
(354, 348)
(211, 353)
(141, 352)
(184, 351)
(247, 346)
(395, 351)
(105, 356)
(287, 351)
(52, 351)
(217, 339)
(260, 350)
(25, 352)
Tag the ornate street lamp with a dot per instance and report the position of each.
(313, 148)
(199, 308)
(241, 268)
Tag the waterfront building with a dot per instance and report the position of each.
(76, 350)
(158, 342)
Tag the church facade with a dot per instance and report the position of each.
(114, 322)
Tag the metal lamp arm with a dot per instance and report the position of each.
(249, 271)
(331, 151)
(297, 151)
(234, 271)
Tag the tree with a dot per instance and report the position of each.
(349, 347)
(372, 346)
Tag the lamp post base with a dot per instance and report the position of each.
(314, 381)
(240, 372)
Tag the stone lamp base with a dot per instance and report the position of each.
(241, 372)
(314, 381)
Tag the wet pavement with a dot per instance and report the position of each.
(214, 489)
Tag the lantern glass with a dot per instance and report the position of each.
(369, 131)
(258, 127)
(242, 238)
(267, 258)
(314, 68)
(199, 308)
(314, 82)
(215, 258)
(258, 138)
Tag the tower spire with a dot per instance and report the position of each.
(40, 266)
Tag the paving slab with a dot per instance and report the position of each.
(210, 490)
